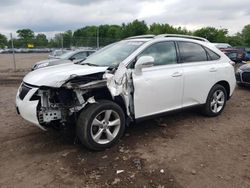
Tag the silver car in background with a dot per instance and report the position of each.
(70, 56)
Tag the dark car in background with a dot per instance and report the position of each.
(236, 55)
(247, 52)
(70, 56)
(243, 75)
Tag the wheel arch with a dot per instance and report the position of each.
(103, 93)
(226, 85)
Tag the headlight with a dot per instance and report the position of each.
(41, 65)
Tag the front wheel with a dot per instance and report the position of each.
(216, 101)
(101, 125)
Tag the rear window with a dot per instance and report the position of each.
(192, 52)
(212, 55)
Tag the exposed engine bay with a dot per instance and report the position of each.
(58, 105)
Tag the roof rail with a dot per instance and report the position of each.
(141, 37)
(183, 36)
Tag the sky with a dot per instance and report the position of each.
(53, 16)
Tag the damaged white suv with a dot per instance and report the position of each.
(127, 81)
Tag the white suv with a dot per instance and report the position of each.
(127, 81)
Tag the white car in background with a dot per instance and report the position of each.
(56, 53)
(131, 80)
(222, 45)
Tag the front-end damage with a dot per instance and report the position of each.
(60, 106)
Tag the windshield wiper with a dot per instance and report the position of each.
(90, 64)
(79, 61)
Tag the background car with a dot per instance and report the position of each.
(57, 53)
(247, 52)
(243, 75)
(222, 45)
(236, 55)
(64, 58)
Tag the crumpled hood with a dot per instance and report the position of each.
(56, 76)
(245, 67)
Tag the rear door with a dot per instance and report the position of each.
(159, 88)
(199, 66)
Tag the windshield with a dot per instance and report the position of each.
(67, 55)
(114, 54)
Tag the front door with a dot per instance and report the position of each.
(159, 88)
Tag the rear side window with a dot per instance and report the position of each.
(164, 53)
(212, 55)
(192, 52)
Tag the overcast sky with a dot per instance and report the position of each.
(50, 16)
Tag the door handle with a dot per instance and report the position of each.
(176, 74)
(212, 69)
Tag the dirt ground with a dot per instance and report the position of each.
(179, 150)
(24, 61)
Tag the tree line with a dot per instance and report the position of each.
(87, 36)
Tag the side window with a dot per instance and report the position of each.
(164, 53)
(212, 55)
(192, 52)
(80, 55)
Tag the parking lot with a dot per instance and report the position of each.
(184, 149)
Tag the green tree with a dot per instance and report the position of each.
(212, 34)
(157, 29)
(25, 36)
(134, 28)
(56, 41)
(235, 40)
(3, 41)
(246, 35)
(41, 40)
(85, 36)
(109, 34)
(67, 39)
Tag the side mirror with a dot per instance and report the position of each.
(142, 62)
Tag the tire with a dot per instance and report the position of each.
(100, 125)
(216, 101)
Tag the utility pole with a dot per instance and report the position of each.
(13, 52)
(97, 37)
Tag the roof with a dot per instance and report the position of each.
(168, 35)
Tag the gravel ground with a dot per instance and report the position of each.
(179, 150)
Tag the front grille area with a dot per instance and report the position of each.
(246, 77)
(237, 76)
(23, 91)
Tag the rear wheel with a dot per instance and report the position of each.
(216, 101)
(101, 125)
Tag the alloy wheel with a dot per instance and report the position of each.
(218, 101)
(105, 126)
